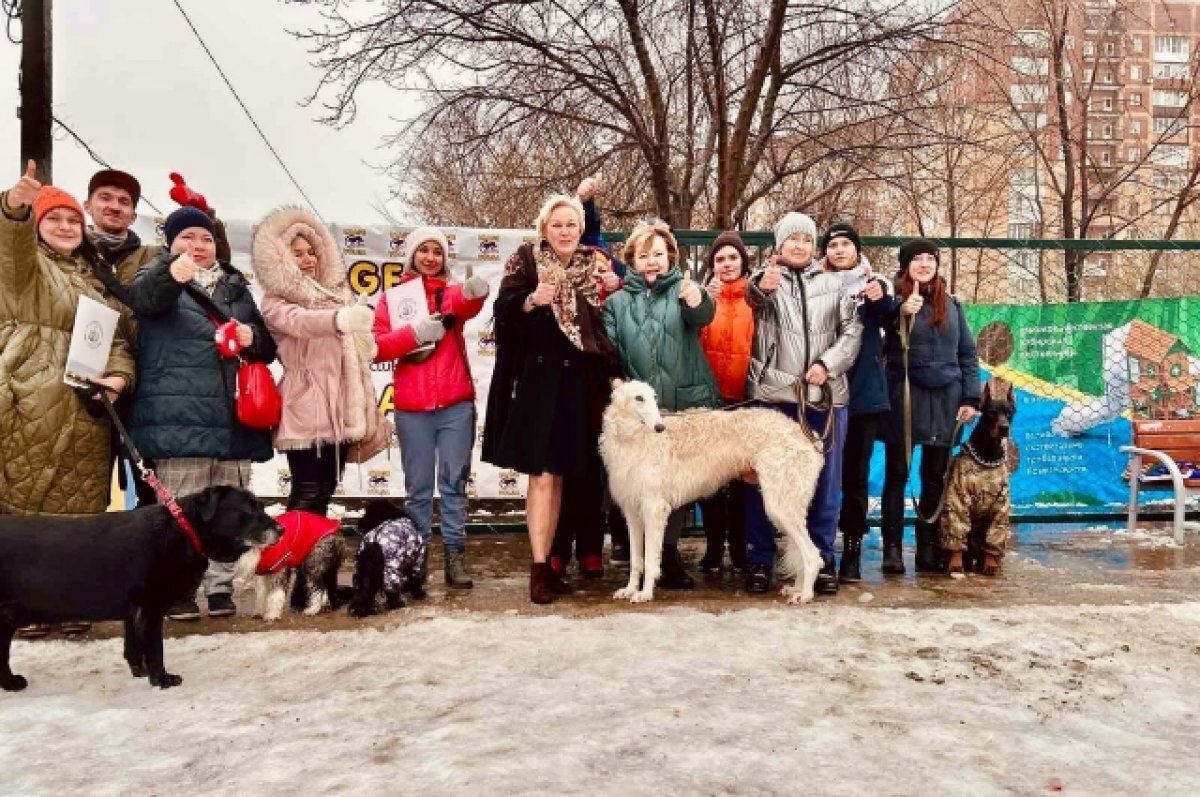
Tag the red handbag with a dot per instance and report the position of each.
(259, 405)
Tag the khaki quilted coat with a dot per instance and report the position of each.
(54, 456)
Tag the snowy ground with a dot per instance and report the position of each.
(830, 699)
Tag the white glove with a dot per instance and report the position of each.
(358, 318)
(475, 287)
(364, 342)
(429, 330)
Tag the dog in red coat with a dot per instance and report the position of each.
(304, 562)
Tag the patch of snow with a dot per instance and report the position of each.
(819, 700)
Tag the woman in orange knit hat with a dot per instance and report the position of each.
(54, 443)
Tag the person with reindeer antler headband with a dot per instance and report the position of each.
(553, 366)
(191, 308)
(933, 382)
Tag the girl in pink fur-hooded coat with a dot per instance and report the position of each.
(326, 348)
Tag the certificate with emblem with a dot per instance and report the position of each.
(91, 341)
(407, 303)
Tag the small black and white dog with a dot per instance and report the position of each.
(304, 562)
(389, 561)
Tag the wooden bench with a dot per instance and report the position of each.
(1168, 442)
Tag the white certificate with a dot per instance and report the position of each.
(91, 341)
(407, 303)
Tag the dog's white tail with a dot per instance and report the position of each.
(787, 566)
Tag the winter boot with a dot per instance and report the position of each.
(893, 553)
(827, 579)
(928, 554)
(415, 583)
(850, 571)
(539, 583)
(673, 575)
(457, 575)
(591, 565)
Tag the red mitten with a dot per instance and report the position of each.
(184, 195)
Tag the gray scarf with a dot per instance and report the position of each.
(105, 240)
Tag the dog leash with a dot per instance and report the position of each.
(825, 404)
(160, 491)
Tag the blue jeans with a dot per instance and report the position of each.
(442, 440)
(822, 513)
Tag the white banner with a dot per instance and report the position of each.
(374, 259)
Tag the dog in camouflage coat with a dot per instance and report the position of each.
(390, 560)
(976, 522)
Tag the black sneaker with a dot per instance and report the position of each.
(221, 605)
(710, 563)
(184, 610)
(758, 579)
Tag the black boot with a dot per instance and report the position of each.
(673, 575)
(928, 558)
(827, 581)
(850, 571)
(893, 553)
(308, 496)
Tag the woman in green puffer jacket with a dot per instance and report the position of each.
(654, 322)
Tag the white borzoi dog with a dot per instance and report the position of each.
(658, 464)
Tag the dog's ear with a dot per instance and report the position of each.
(210, 502)
(1010, 394)
(986, 397)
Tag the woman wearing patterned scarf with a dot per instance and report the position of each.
(553, 366)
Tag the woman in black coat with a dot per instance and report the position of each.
(184, 414)
(553, 366)
(942, 372)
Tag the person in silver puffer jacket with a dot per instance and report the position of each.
(806, 330)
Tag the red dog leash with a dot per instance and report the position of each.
(161, 492)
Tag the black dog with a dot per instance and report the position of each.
(126, 566)
(391, 559)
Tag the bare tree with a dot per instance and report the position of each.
(713, 102)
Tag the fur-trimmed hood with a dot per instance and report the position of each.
(276, 268)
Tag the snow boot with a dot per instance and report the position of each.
(850, 571)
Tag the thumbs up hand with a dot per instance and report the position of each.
(771, 278)
(545, 292)
(26, 189)
(913, 304)
(689, 291)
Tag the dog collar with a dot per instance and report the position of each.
(988, 463)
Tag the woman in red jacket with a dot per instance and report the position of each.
(434, 395)
(726, 342)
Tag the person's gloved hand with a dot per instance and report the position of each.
(429, 330)
(358, 318)
(475, 287)
(364, 342)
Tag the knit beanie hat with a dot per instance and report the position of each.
(842, 230)
(51, 198)
(917, 246)
(413, 241)
(794, 223)
(729, 238)
(185, 218)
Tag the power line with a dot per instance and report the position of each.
(92, 154)
(249, 115)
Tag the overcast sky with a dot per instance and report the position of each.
(132, 80)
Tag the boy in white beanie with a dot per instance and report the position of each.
(806, 331)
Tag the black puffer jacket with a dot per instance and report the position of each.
(184, 405)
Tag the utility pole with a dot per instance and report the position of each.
(36, 88)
